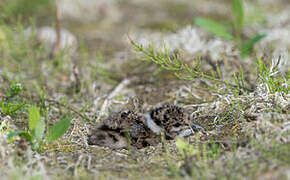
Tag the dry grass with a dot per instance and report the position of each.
(247, 133)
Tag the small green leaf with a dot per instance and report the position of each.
(185, 147)
(34, 117)
(213, 27)
(39, 130)
(16, 88)
(261, 65)
(247, 47)
(237, 8)
(25, 134)
(11, 108)
(37, 177)
(58, 129)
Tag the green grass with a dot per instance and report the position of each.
(224, 30)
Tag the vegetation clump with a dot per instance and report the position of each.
(175, 102)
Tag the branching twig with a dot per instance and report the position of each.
(173, 63)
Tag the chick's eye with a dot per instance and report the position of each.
(176, 124)
(123, 115)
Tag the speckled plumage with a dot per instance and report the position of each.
(122, 124)
(141, 130)
(171, 119)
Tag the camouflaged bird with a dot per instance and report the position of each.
(129, 128)
(172, 120)
(121, 130)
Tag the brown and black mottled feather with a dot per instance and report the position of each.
(173, 119)
(141, 130)
(118, 126)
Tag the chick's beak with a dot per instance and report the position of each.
(196, 127)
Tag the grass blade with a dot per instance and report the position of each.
(25, 134)
(247, 47)
(58, 129)
(213, 27)
(185, 147)
(238, 10)
(11, 108)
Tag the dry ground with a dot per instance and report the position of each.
(247, 131)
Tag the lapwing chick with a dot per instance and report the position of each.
(172, 120)
(121, 130)
(130, 128)
(107, 138)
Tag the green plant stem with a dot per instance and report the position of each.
(52, 101)
(165, 61)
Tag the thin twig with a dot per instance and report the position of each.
(117, 90)
(76, 74)
(68, 107)
(56, 48)
(63, 105)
